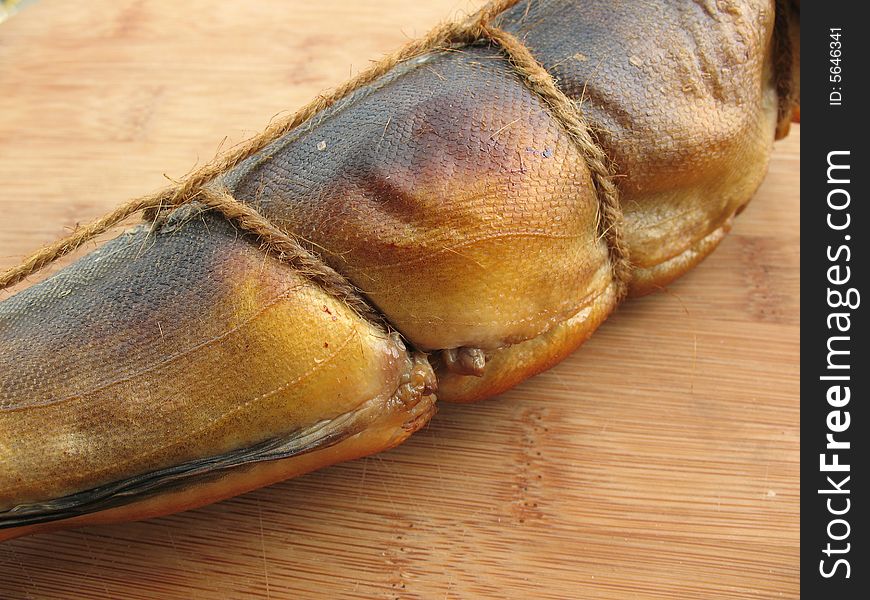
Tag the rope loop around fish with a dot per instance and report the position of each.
(199, 186)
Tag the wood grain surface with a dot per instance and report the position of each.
(659, 461)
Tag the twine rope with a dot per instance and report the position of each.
(783, 54)
(198, 186)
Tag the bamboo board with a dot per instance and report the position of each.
(659, 461)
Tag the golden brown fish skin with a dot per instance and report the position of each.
(687, 163)
(389, 424)
(458, 205)
(683, 100)
(451, 197)
(509, 366)
(238, 350)
(436, 208)
(523, 266)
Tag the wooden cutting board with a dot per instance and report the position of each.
(659, 461)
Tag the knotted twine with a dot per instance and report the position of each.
(199, 185)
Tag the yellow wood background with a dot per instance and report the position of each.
(659, 461)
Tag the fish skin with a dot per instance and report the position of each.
(449, 195)
(177, 345)
(457, 175)
(682, 98)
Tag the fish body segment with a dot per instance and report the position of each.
(180, 363)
